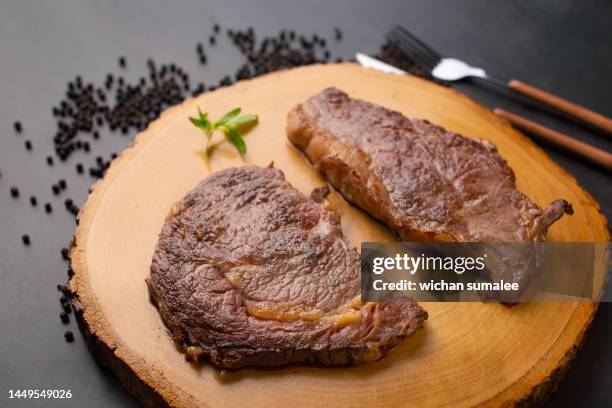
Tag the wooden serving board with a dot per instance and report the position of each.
(468, 354)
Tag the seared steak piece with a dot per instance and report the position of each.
(248, 271)
(424, 182)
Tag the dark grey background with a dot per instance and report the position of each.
(560, 45)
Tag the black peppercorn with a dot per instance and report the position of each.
(64, 317)
(50, 160)
(48, 208)
(55, 188)
(26, 239)
(33, 201)
(14, 192)
(62, 184)
(18, 127)
(69, 336)
(28, 145)
(79, 168)
(337, 33)
(122, 62)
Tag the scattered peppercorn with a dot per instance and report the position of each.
(28, 145)
(122, 62)
(17, 126)
(87, 107)
(69, 336)
(33, 201)
(26, 239)
(55, 188)
(48, 208)
(274, 53)
(64, 317)
(73, 209)
(62, 184)
(14, 192)
(337, 33)
(50, 160)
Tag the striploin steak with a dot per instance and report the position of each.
(424, 182)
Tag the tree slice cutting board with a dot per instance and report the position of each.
(468, 354)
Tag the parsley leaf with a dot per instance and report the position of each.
(232, 125)
(234, 137)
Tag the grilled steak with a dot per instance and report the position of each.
(416, 177)
(424, 182)
(248, 271)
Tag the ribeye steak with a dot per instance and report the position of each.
(248, 271)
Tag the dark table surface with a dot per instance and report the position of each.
(560, 45)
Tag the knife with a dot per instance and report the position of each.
(369, 62)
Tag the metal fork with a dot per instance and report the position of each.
(452, 69)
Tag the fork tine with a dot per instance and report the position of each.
(416, 39)
(411, 45)
(411, 50)
(416, 54)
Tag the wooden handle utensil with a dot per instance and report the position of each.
(572, 110)
(584, 150)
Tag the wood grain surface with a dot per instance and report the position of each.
(468, 354)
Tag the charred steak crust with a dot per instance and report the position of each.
(248, 271)
(424, 182)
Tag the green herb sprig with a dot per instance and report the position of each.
(232, 125)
